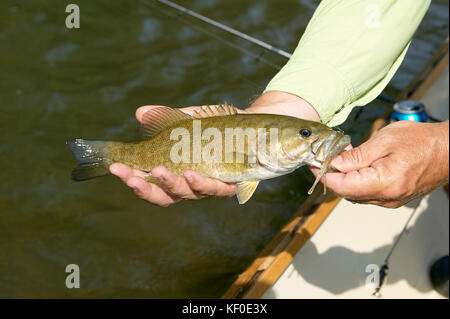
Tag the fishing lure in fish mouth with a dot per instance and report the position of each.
(261, 146)
(339, 145)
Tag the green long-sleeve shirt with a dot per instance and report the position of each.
(349, 52)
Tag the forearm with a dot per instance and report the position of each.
(443, 151)
(348, 53)
(276, 102)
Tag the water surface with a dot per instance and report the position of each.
(58, 84)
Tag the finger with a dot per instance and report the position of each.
(362, 184)
(208, 186)
(364, 202)
(151, 192)
(361, 156)
(174, 184)
(316, 170)
(144, 190)
(120, 170)
(124, 172)
(385, 204)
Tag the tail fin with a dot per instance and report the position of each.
(92, 157)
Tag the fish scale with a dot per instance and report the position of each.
(239, 159)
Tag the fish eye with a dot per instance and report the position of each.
(305, 133)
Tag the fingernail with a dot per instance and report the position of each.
(113, 169)
(189, 178)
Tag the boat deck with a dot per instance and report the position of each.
(335, 262)
(335, 266)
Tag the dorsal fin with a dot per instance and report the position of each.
(156, 120)
(217, 110)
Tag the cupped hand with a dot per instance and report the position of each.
(405, 160)
(172, 188)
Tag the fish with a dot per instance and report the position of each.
(217, 142)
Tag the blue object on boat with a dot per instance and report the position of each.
(409, 111)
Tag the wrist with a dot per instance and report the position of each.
(444, 148)
(277, 102)
(435, 149)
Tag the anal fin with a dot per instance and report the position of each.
(245, 190)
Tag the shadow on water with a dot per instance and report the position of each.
(58, 84)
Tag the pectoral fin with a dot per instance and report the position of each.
(245, 190)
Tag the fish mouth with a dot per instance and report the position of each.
(322, 151)
(329, 148)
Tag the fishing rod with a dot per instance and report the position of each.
(219, 25)
(257, 57)
(384, 97)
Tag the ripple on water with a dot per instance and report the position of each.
(56, 103)
(41, 16)
(112, 94)
(59, 84)
(59, 53)
(151, 29)
(187, 32)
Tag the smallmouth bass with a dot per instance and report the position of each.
(216, 142)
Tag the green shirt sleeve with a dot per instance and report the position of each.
(349, 52)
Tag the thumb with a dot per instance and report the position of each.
(360, 157)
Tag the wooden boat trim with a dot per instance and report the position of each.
(279, 252)
(428, 75)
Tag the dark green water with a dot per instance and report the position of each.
(58, 84)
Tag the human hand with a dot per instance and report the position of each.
(405, 160)
(173, 188)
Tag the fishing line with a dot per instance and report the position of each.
(382, 96)
(257, 57)
(226, 28)
(167, 13)
(384, 270)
